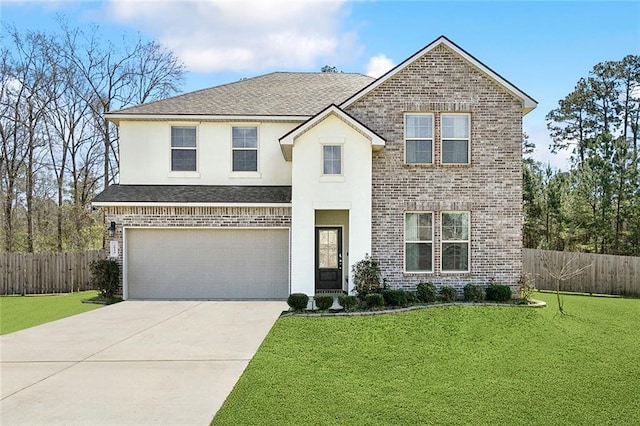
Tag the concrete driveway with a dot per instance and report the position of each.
(136, 362)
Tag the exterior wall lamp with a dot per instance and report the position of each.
(112, 229)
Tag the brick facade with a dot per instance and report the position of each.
(490, 187)
(204, 217)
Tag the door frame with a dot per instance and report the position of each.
(316, 253)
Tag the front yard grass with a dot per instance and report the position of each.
(449, 365)
(20, 312)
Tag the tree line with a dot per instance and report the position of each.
(595, 205)
(57, 149)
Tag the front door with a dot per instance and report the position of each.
(328, 258)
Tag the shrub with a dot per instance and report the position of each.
(105, 277)
(527, 284)
(347, 302)
(412, 297)
(499, 292)
(448, 294)
(473, 293)
(366, 276)
(394, 297)
(426, 292)
(298, 301)
(323, 302)
(374, 300)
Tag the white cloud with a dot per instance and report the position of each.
(219, 35)
(539, 135)
(378, 65)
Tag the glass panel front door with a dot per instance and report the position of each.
(328, 258)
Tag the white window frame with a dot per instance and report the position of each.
(467, 139)
(181, 148)
(432, 139)
(256, 149)
(405, 242)
(467, 241)
(337, 145)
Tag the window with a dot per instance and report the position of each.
(245, 149)
(455, 138)
(331, 159)
(418, 133)
(455, 242)
(418, 236)
(183, 148)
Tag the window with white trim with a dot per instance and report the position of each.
(418, 138)
(455, 242)
(244, 146)
(183, 149)
(418, 242)
(455, 138)
(331, 159)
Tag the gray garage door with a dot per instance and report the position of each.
(207, 263)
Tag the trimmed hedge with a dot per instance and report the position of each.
(426, 292)
(448, 294)
(374, 300)
(394, 297)
(499, 292)
(347, 302)
(298, 301)
(473, 293)
(323, 302)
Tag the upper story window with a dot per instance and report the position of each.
(418, 242)
(245, 149)
(183, 148)
(331, 159)
(418, 134)
(455, 242)
(455, 138)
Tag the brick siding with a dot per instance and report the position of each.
(490, 187)
(205, 217)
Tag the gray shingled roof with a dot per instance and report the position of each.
(278, 93)
(194, 194)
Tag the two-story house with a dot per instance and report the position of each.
(280, 183)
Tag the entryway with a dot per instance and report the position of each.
(331, 250)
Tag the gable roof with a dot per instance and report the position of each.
(296, 94)
(528, 103)
(287, 141)
(140, 195)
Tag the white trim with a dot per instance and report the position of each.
(171, 204)
(184, 173)
(404, 242)
(528, 103)
(287, 141)
(245, 173)
(467, 139)
(115, 117)
(125, 283)
(468, 241)
(433, 131)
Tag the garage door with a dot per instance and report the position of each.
(207, 263)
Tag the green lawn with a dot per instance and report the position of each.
(19, 312)
(453, 365)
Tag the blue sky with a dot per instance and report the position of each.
(541, 47)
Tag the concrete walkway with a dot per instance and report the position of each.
(133, 363)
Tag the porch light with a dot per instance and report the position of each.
(112, 229)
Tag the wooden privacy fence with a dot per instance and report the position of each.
(40, 273)
(607, 274)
